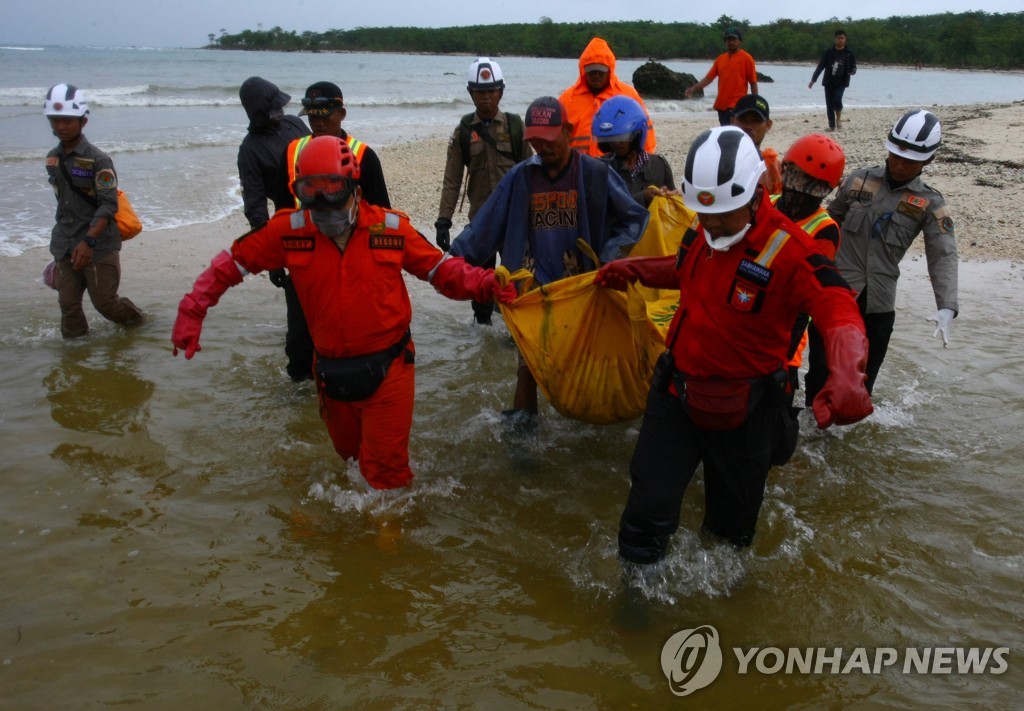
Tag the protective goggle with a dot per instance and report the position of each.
(323, 190)
(321, 105)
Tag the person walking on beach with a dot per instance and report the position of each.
(538, 212)
(719, 392)
(484, 146)
(880, 212)
(85, 241)
(597, 83)
(837, 65)
(346, 257)
(620, 129)
(324, 107)
(735, 71)
(261, 168)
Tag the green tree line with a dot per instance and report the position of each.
(968, 40)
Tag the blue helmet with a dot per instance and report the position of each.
(620, 118)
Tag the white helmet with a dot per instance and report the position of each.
(722, 171)
(916, 136)
(65, 100)
(484, 75)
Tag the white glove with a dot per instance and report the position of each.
(943, 319)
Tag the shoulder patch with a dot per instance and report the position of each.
(383, 241)
(51, 161)
(392, 221)
(297, 219)
(947, 223)
(106, 180)
(297, 243)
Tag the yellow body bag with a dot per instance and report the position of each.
(591, 350)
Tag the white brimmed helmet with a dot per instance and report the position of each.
(65, 100)
(916, 136)
(484, 75)
(722, 170)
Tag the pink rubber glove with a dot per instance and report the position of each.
(222, 274)
(844, 399)
(457, 279)
(654, 272)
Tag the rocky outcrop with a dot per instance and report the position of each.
(654, 80)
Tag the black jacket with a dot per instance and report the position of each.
(261, 155)
(838, 65)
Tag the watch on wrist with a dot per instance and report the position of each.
(91, 241)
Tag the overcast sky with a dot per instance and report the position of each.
(186, 23)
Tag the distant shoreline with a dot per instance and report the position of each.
(781, 63)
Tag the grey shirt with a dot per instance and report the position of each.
(878, 225)
(91, 171)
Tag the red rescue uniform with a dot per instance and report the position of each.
(738, 307)
(356, 303)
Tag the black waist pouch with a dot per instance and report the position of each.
(356, 378)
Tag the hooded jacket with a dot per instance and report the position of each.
(581, 104)
(261, 155)
(609, 218)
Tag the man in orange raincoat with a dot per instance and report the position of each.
(597, 83)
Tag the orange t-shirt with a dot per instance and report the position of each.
(734, 71)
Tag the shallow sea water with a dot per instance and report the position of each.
(181, 534)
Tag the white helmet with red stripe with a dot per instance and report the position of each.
(485, 75)
(916, 136)
(722, 170)
(65, 100)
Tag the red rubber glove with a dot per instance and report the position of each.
(457, 279)
(655, 272)
(844, 399)
(206, 292)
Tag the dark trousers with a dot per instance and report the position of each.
(725, 118)
(101, 280)
(879, 330)
(298, 344)
(482, 311)
(833, 103)
(668, 450)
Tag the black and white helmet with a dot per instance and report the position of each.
(485, 75)
(916, 136)
(723, 168)
(65, 100)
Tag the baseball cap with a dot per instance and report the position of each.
(751, 102)
(596, 66)
(321, 98)
(544, 119)
(733, 32)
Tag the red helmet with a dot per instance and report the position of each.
(818, 156)
(327, 172)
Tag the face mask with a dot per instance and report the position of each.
(334, 223)
(723, 243)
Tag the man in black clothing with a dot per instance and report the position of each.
(260, 167)
(838, 64)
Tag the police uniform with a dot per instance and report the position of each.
(489, 159)
(878, 224)
(733, 324)
(91, 171)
